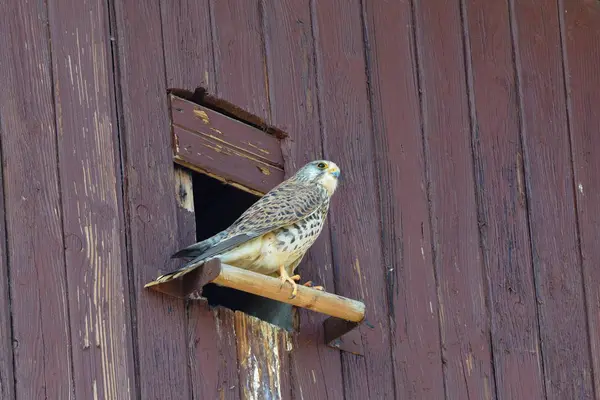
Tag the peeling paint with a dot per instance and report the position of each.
(202, 115)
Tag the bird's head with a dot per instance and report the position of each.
(323, 172)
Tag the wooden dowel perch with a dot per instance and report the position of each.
(190, 285)
(274, 288)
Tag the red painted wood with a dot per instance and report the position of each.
(502, 203)
(218, 127)
(581, 35)
(354, 215)
(7, 379)
(462, 286)
(89, 167)
(315, 368)
(40, 320)
(210, 333)
(239, 57)
(549, 181)
(411, 286)
(152, 206)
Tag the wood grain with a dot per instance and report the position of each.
(261, 351)
(161, 333)
(92, 207)
(462, 285)
(315, 368)
(40, 318)
(411, 286)
(551, 201)
(502, 206)
(237, 134)
(7, 378)
(189, 63)
(354, 215)
(580, 36)
(239, 57)
(222, 161)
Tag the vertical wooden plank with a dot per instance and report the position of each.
(239, 55)
(549, 180)
(35, 243)
(261, 350)
(315, 368)
(462, 286)
(354, 216)
(7, 377)
(502, 204)
(411, 286)
(581, 35)
(210, 333)
(92, 208)
(152, 205)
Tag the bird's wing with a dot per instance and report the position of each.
(281, 207)
(286, 204)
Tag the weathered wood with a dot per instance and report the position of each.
(261, 351)
(152, 206)
(315, 368)
(354, 215)
(40, 320)
(224, 162)
(98, 291)
(7, 378)
(502, 203)
(581, 35)
(239, 56)
(189, 63)
(411, 286)
(263, 285)
(551, 202)
(252, 142)
(462, 285)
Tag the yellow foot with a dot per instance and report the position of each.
(285, 277)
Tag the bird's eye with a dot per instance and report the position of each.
(321, 165)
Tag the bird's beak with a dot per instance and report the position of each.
(335, 172)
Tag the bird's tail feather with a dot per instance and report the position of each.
(188, 267)
(199, 248)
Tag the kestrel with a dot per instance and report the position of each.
(273, 235)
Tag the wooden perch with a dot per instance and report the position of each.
(344, 314)
(190, 286)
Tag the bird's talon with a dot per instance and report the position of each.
(307, 284)
(320, 288)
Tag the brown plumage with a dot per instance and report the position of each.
(274, 234)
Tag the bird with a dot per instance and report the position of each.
(273, 235)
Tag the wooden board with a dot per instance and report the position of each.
(315, 368)
(40, 318)
(7, 379)
(354, 215)
(161, 331)
(239, 55)
(580, 36)
(502, 203)
(89, 166)
(237, 135)
(549, 182)
(211, 338)
(462, 285)
(263, 361)
(410, 281)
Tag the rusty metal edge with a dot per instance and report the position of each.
(343, 335)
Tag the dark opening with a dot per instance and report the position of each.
(217, 205)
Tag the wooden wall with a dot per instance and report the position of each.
(468, 218)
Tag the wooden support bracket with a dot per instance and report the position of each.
(344, 314)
